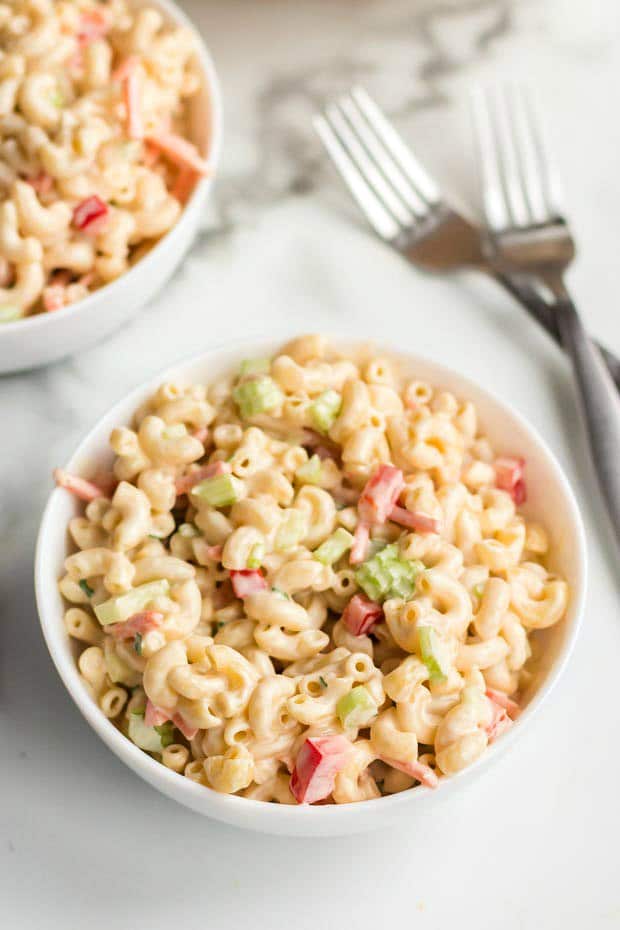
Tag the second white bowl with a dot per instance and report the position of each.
(46, 337)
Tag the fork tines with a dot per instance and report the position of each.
(520, 186)
(388, 183)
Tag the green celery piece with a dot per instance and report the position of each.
(333, 547)
(166, 733)
(478, 589)
(144, 737)
(10, 312)
(387, 574)
(257, 396)
(120, 608)
(310, 472)
(256, 556)
(250, 367)
(291, 531)
(325, 409)
(118, 671)
(430, 650)
(221, 491)
(357, 708)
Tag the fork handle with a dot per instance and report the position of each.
(600, 405)
(547, 316)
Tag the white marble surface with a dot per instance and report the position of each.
(83, 842)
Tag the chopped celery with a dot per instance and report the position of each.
(257, 396)
(175, 431)
(310, 472)
(357, 708)
(256, 556)
(478, 589)
(250, 367)
(221, 491)
(292, 529)
(187, 530)
(387, 574)
(9, 312)
(147, 738)
(166, 733)
(86, 588)
(325, 409)
(334, 547)
(431, 652)
(120, 608)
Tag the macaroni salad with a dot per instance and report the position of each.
(308, 581)
(95, 164)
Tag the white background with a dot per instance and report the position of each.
(533, 843)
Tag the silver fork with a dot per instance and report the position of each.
(405, 206)
(529, 234)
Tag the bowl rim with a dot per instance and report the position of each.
(214, 93)
(300, 819)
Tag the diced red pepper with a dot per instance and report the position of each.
(85, 490)
(155, 716)
(509, 477)
(419, 771)
(415, 520)
(318, 762)
(186, 729)
(498, 697)
(247, 582)
(90, 215)
(93, 25)
(186, 482)
(380, 495)
(361, 540)
(361, 615)
(142, 622)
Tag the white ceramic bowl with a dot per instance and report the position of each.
(549, 497)
(46, 337)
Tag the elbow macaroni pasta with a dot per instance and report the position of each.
(240, 677)
(94, 109)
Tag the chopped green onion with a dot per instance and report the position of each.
(325, 409)
(250, 367)
(431, 652)
(387, 574)
(310, 472)
(137, 644)
(334, 547)
(120, 608)
(323, 682)
(221, 491)
(144, 737)
(187, 530)
(9, 312)
(166, 733)
(256, 556)
(292, 529)
(86, 588)
(175, 431)
(356, 709)
(257, 396)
